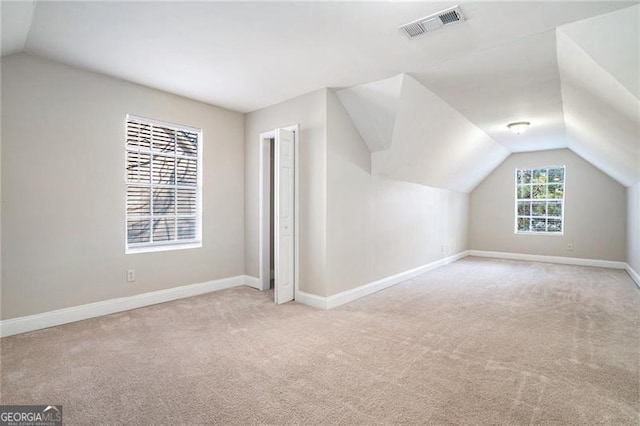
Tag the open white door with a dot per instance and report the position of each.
(284, 226)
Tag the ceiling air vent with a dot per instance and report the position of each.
(433, 22)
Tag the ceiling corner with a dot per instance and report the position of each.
(16, 18)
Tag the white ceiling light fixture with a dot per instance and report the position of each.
(519, 127)
(433, 22)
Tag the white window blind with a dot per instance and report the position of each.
(540, 200)
(163, 184)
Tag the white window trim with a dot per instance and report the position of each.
(515, 196)
(165, 247)
(170, 245)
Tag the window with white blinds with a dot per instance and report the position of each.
(163, 185)
(540, 200)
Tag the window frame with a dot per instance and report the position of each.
(172, 244)
(546, 200)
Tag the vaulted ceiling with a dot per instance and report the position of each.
(577, 84)
(415, 136)
(571, 68)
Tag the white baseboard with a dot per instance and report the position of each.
(252, 282)
(19, 325)
(633, 274)
(312, 300)
(549, 259)
(373, 287)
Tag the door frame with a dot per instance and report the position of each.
(264, 193)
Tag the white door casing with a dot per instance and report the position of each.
(284, 212)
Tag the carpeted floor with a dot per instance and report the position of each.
(476, 342)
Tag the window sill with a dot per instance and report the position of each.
(551, 234)
(152, 249)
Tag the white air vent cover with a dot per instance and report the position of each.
(433, 22)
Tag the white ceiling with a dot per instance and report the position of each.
(504, 63)
(515, 81)
(245, 56)
(373, 108)
(16, 21)
(601, 113)
(433, 144)
(576, 84)
(613, 41)
(415, 136)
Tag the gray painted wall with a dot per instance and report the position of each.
(309, 111)
(63, 230)
(355, 228)
(377, 227)
(595, 211)
(63, 189)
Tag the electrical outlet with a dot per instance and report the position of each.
(442, 249)
(131, 275)
(570, 247)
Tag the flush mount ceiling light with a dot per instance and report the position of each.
(519, 127)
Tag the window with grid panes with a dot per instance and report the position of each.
(163, 185)
(540, 200)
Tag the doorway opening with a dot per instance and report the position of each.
(278, 257)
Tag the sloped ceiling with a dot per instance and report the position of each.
(435, 145)
(577, 85)
(516, 81)
(16, 17)
(373, 109)
(611, 40)
(248, 55)
(430, 142)
(598, 61)
(504, 63)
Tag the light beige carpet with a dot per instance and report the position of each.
(477, 342)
